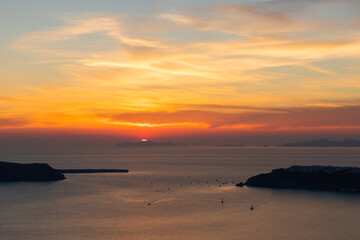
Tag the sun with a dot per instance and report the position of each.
(144, 140)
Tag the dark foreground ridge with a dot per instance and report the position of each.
(93, 170)
(17, 172)
(342, 179)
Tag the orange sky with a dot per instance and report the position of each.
(182, 71)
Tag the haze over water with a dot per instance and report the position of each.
(182, 205)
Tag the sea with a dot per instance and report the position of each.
(176, 193)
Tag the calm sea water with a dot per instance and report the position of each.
(180, 183)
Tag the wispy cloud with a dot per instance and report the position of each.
(288, 118)
(317, 69)
(13, 122)
(78, 26)
(177, 18)
(267, 64)
(11, 99)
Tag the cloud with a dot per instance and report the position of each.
(80, 26)
(147, 67)
(264, 37)
(177, 18)
(13, 122)
(244, 20)
(259, 65)
(338, 117)
(10, 99)
(224, 107)
(317, 69)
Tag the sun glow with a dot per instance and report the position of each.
(144, 140)
(244, 67)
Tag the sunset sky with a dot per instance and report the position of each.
(197, 72)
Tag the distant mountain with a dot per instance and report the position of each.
(146, 144)
(325, 143)
(230, 145)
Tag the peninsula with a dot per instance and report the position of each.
(93, 170)
(341, 179)
(41, 172)
(19, 172)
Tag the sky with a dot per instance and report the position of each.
(194, 72)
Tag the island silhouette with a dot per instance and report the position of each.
(145, 143)
(324, 143)
(329, 178)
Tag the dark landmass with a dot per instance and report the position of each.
(17, 172)
(342, 179)
(231, 145)
(93, 170)
(146, 144)
(325, 143)
(240, 184)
